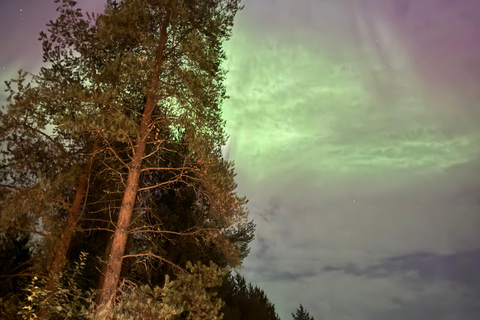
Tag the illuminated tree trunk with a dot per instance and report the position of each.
(109, 285)
(114, 261)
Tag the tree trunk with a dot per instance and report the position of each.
(115, 257)
(63, 244)
(103, 269)
(114, 263)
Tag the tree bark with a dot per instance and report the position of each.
(120, 237)
(63, 244)
(115, 257)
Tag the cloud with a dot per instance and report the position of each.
(462, 268)
(342, 296)
(345, 176)
(408, 240)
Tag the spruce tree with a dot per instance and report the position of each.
(301, 314)
(245, 301)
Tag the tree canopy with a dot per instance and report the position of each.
(112, 179)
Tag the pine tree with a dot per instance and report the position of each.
(245, 301)
(49, 156)
(42, 175)
(175, 48)
(302, 314)
(132, 98)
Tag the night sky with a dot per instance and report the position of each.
(355, 131)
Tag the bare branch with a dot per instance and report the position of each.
(57, 144)
(187, 233)
(111, 149)
(131, 145)
(97, 229)
(23, 274)
(117, 172)
(158, 148)
(178, 178)
(129, 109)
(169, 168)
(149, 254)
(12, 187)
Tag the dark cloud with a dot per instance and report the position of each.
(462, 268)
(436, 307)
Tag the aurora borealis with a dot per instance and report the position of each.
(301, 102)
(354, 127)
(298, 99)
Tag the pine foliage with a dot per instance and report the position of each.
(301, 314)
(120, 133)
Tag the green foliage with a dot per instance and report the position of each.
(244, 301)
(301, 314)
(101, 72)
(40, 164)
(15, 265)
(68, 302)
(190, 296)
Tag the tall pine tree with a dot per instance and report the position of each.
(169, 53)
(128, 110)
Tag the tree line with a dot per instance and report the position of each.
(115, 200)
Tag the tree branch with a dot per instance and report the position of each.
(149, 254)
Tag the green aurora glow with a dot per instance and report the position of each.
(294, 107)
